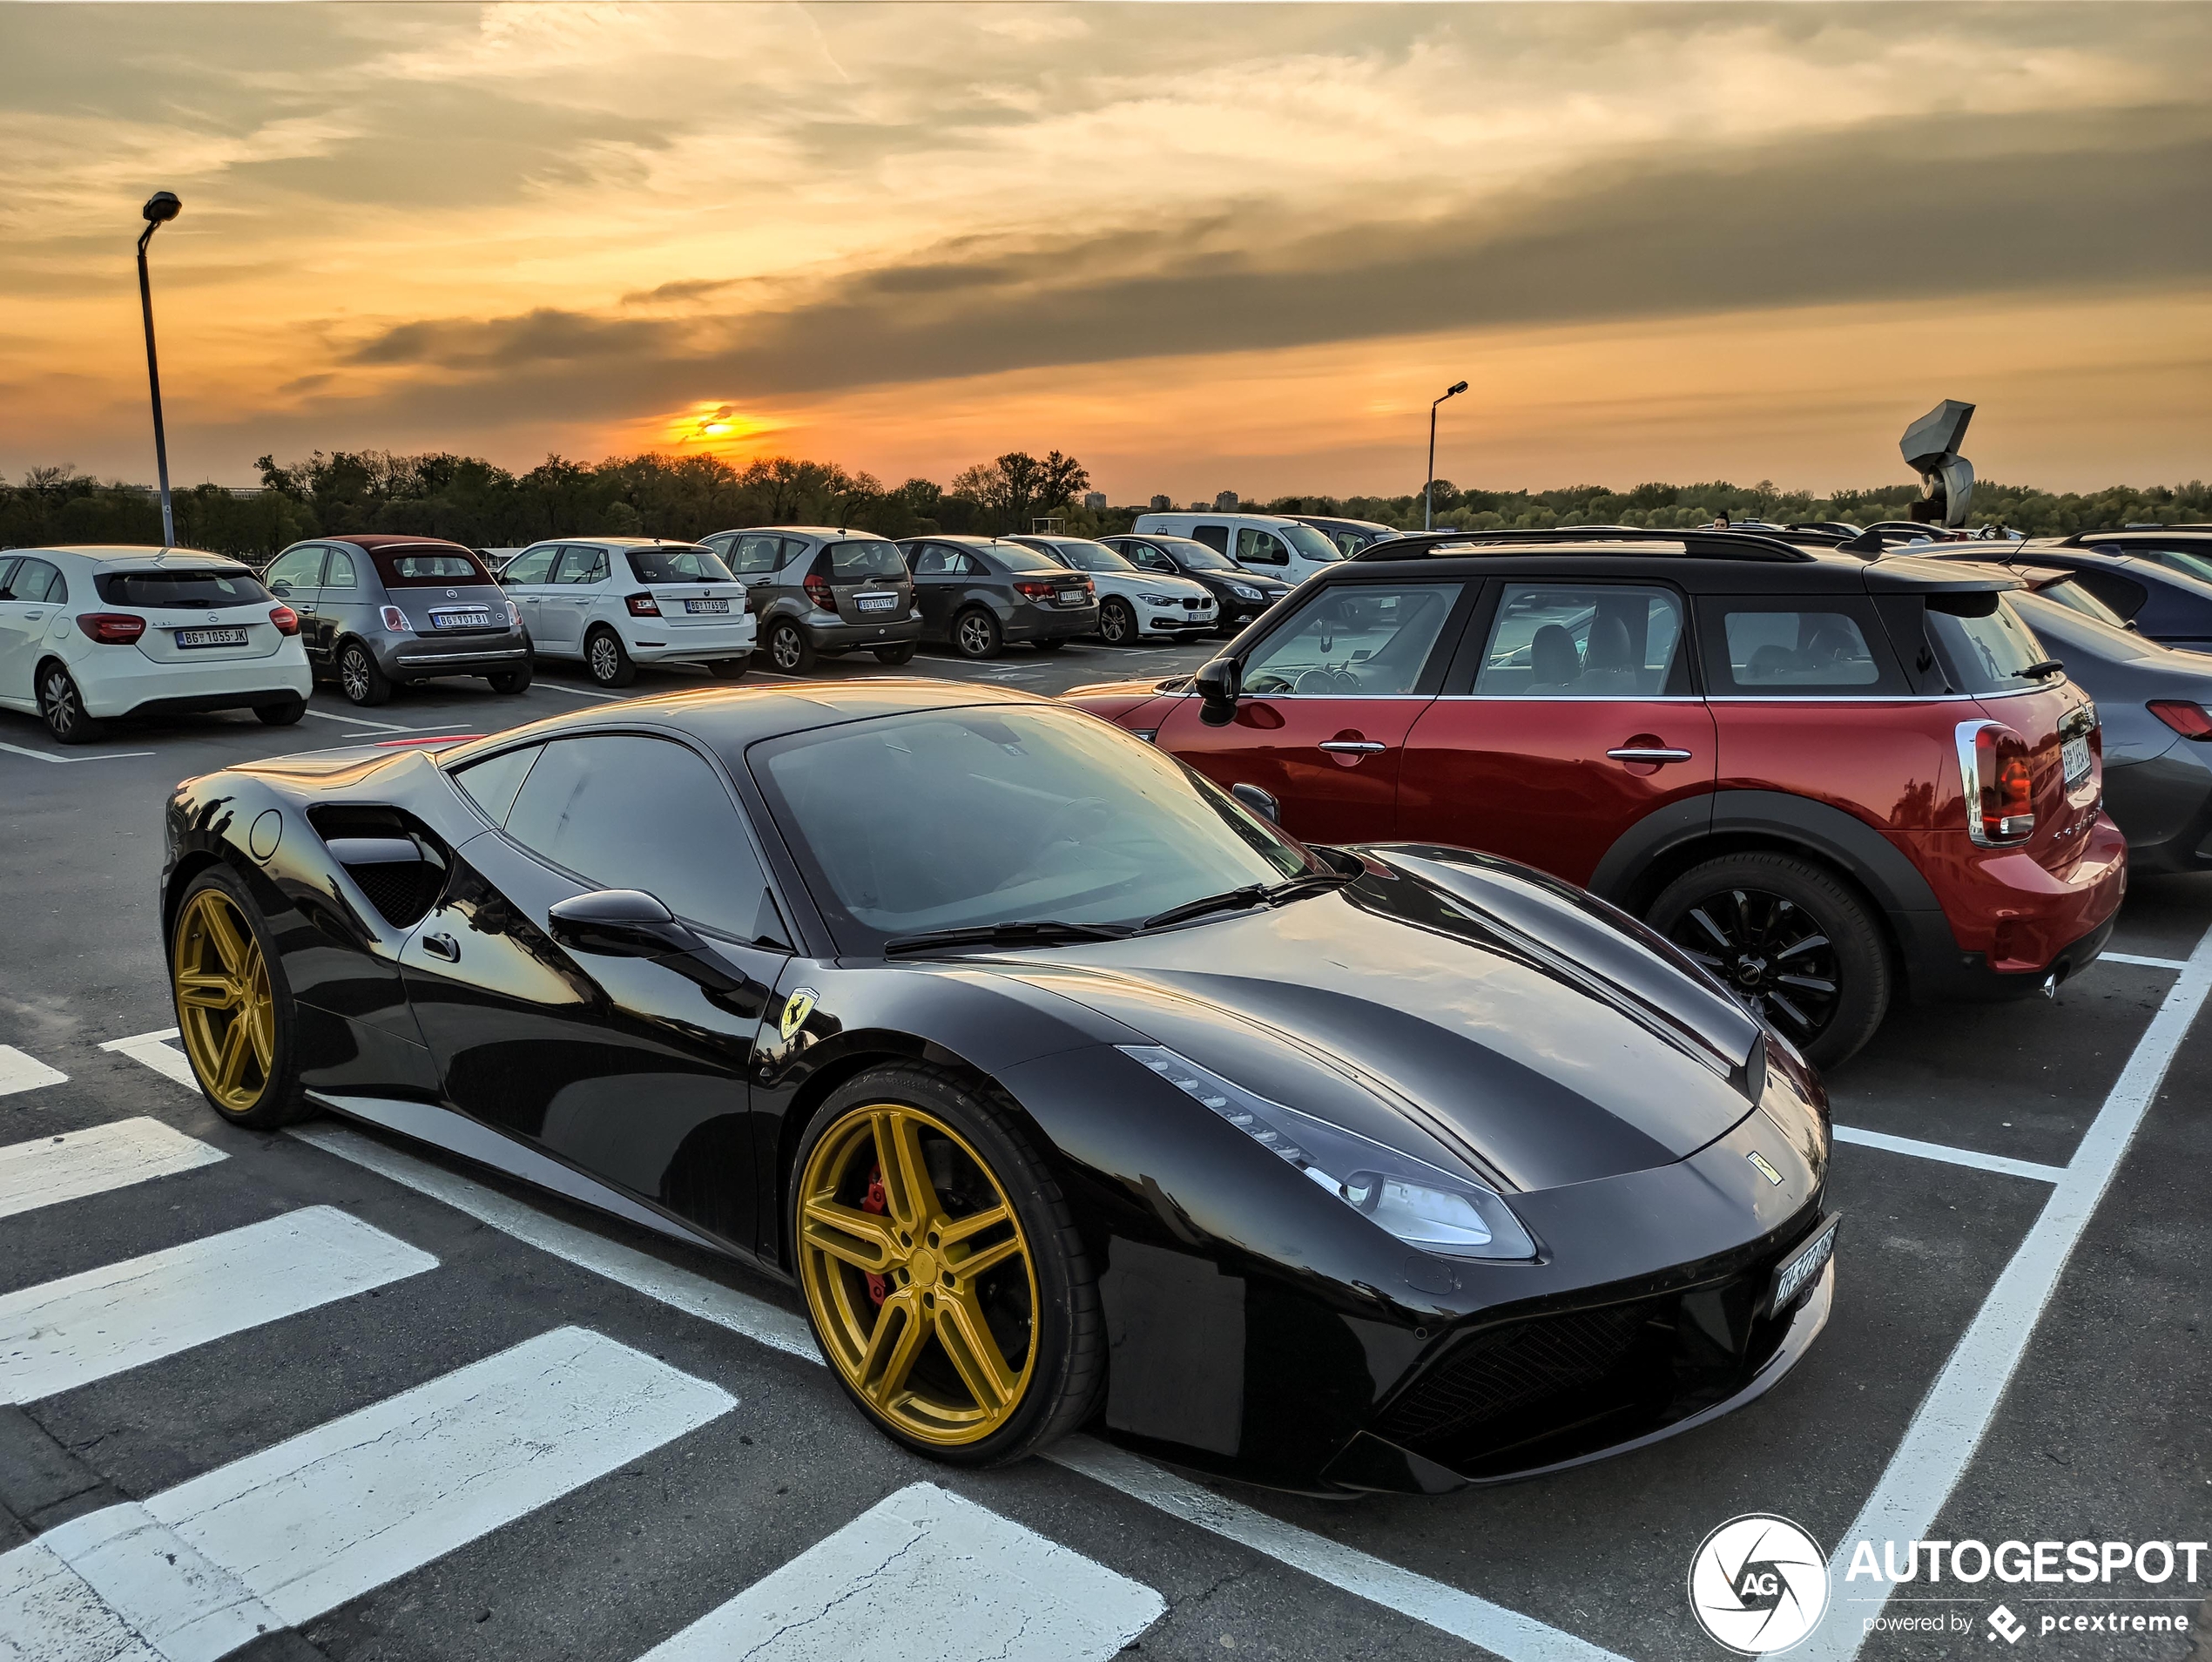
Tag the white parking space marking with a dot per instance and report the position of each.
(1949, 1155)
(578, 691)
(49, 1170)
(927, 1575)
(1954, 1417)
(19, 1071)
(48, 756)
(2146, 963)
(356, 721)
(283, 1536)
(61, 1334)
(154, 1050)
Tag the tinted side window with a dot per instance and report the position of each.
(302, 568)
(492, 784)
(1145, 555)
(2124, 595)
(935, 560)
(1365, 640)
(340, 574)
(1989, 649)
(581, 565)
(629, 812)
(37, 580)
(1214, 536)
(529, 566)
(1760, 649)
(1260, 547)
(756, 555)
(1584, 641)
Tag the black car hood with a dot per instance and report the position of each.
(1509, 1017)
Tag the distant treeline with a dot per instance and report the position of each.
(473, 501)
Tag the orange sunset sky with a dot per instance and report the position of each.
(1201, 248)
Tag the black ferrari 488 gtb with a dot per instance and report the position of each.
(1065, 1087)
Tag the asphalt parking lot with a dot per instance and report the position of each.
(2019, 1347)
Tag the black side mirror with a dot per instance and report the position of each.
(1259, 801)
(1218, 685)
(620, 923)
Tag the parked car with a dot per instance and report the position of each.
(617, 602)
(1132, 604)
(90, 633)
(821, 592)
(1349, 535)
(1265, 543)
(379, 611)
(2165, 601)
(1866, 773)
(1239, 594)
(1416, 1168)
(976, 594)
(2186, 549)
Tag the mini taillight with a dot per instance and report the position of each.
(2190, 720)
(1999, 785)
(818, 591)
(1035, 591)
(395, 620)
(113, 628)
(644, 605)
(286, 619)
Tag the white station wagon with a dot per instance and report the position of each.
(617, 602)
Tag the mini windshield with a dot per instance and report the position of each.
(1309, 543)
(951, 819)
(677, 564)
(1090, 557)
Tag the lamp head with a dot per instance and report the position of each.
(161, 208)
(1452, 391)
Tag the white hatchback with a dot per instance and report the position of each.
(89, 633)
(617, 602)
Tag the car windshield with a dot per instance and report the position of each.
(861, 559)
(677, 564)
(974, 817)
(1090, 557)
(1310, 542)
(417, 568)
(1196, 557)
(201, 588)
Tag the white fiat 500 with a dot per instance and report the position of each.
(89, 633)
(617, 602)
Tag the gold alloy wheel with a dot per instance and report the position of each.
(921, 1286)
(223, 1007)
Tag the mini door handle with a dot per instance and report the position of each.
(1647, 754)
(1355, 746)
(442, 946)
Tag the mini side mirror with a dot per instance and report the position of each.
(1218, 684)
(619, 924)
(1259, 801)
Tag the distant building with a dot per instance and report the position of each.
(1162, 505)
(1095, 501)
(1225, 502)
(1200, 507)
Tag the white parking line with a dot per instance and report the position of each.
(1954, 1417)
(927, 1575)
(2148, 964)
(49, 1170)
(1949, 1155)
(153, 1049)
(578, 691)
(64, 1333)
(283, 1536)
(98, 755)
(357, 721)
(20, 1071)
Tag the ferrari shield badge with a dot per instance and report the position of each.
(797, 1009)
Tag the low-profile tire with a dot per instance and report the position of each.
(900, 654)
(730, 669)
(606, 659)
(789, 649)
(1116, 622)
(61, 707)
(1794, 940)
(235, 1017)
(977, 634)
(287, 715)
(896, 1168)
(510, 680)
(1052, 645)
(361, 679)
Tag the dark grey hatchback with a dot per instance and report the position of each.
(977, 593)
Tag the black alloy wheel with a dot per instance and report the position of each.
(604, 658)
(977, 634)
(62, 706)
(1792, 940)
(510, 680)
(287, 715)
(900, 654)
(359, 678)
(788, 648)
(1116, 623)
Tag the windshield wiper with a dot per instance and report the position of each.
(1020, 932)
(1250, 894)
(2044, 671)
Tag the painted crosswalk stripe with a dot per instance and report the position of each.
(21, 1072)
(282, 1537)
(49, 1170)
(61, 1334)
(927, 1575)
(156, 1053)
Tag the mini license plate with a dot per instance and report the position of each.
(1073, 598)
(706, 605)
(210, 637)
(1803, 1268)
(461, 620)
(2075, 752)
(876, 602)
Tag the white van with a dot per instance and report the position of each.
(1266, 543)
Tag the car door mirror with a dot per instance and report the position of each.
(280, 588)
(1259, 801)
(620, 923)
(1218, 684)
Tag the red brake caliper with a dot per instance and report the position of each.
(875, 1202)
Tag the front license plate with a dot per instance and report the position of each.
(210, 637)
(461, 620)
(706, 605)
(1803, 1268)
(1073, 598)
(876, 602)
(2075, 752)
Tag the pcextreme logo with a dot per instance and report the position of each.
(1758, 1584)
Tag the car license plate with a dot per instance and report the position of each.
(876, 602)
(210, 637)
(461, 620)
(2075, 752)
(1803, 1268)
(1073, 598)
(706, 605)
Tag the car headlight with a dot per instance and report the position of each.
(1244, 592)
(1422, 1204)
(1159, 600)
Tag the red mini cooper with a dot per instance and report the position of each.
(1828, 779)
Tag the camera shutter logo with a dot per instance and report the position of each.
(1758, 1584)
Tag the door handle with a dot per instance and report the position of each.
(442, 946)
(1647, 754)
(1355, 746)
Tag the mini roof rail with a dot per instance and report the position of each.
(1702, 545)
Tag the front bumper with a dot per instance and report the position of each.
(1177, 625)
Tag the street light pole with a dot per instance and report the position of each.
(1428, 485)
(161, 208)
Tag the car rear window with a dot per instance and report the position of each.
(202, 588)
(2068, 592)
(1015, 557)
(424, 568)
(857, 559)
(1989, 649)
(677, 565)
